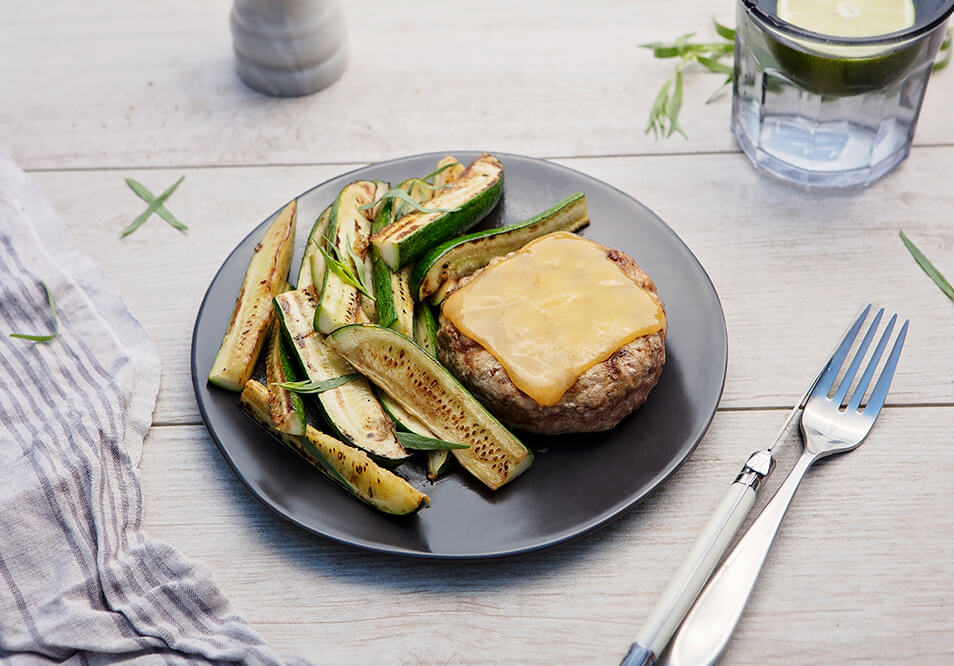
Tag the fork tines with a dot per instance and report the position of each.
(876, 399)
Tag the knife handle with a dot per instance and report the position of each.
(696, 568)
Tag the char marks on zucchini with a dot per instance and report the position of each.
(265, 277)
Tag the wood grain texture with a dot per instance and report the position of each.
(861, 572)
(861, 564)
(790, 267)
(94, 84)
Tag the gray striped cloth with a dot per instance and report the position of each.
(79, 580)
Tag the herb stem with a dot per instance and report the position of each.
(56, 321)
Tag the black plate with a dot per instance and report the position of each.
(578, 482)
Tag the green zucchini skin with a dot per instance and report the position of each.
(427, 389)
(350, 468)
(317, 235)
(462, 256)
(348, 227)
(394, 305)
(286, 407)
(438, 462)
(350, 410)
(474, 194)
(425, 328)
(266, 276)
(402, 418)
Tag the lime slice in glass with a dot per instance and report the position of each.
(848, 18)
(842, 70)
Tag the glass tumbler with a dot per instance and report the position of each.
(823, 111)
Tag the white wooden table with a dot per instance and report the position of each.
(862, 570)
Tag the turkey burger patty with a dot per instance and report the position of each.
(600, 397)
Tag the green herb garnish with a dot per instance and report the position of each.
(417, 442)
(398, 193)
(349, 274)
(56, 322)
(309, 387)
(143, 193)
(439, 170)
(928, 267)
(154, 205)
(664, 114)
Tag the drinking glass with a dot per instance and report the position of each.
(825, 111)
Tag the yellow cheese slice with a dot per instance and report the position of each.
(551, 311)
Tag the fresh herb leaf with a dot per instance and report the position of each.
(674, 105)
(150, 209)
(714, 65)
(416, 442)
(664, 113)
(928, 267)
(56, 322)
(439, 170)
(397, 193)
(344, 271)
(309, 387)
(943, 57)
(143, 193)
(724, 31)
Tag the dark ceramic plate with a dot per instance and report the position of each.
(576, 483)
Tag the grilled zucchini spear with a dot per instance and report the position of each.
(265, 278)
(426, 389)
(351, 409)
(350, 468)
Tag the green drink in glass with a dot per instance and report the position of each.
(827, 92)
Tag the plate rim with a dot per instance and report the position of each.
(601, 520)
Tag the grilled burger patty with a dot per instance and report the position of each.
(601, 397)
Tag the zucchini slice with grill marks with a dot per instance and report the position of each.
(473, 195)
(462, 256)
(450, 174)
(347, 237)
(286, 407)
(351, 409)
(266, 276)
(348, 467)
(438, 462)
(392, 289)
(426, 389)
(316, 238)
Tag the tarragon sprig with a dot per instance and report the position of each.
(416, 442)
(664, 114)
(309, 387)
(398, 193)
(405, 196)
(928, 267)
(56, 322)
(350, 269)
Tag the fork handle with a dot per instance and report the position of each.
(699, 563)
(705, 632)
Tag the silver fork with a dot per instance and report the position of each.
(827, 428)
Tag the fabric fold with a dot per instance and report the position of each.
(79, 580)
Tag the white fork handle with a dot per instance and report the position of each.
(692, 575)
(708, 627)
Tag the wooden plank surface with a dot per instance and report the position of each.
(100, 90)
(146, 84)
(789, 277)
(861, 564)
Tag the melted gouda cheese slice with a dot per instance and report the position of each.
(552, 311)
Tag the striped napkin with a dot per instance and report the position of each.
(79, 580)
